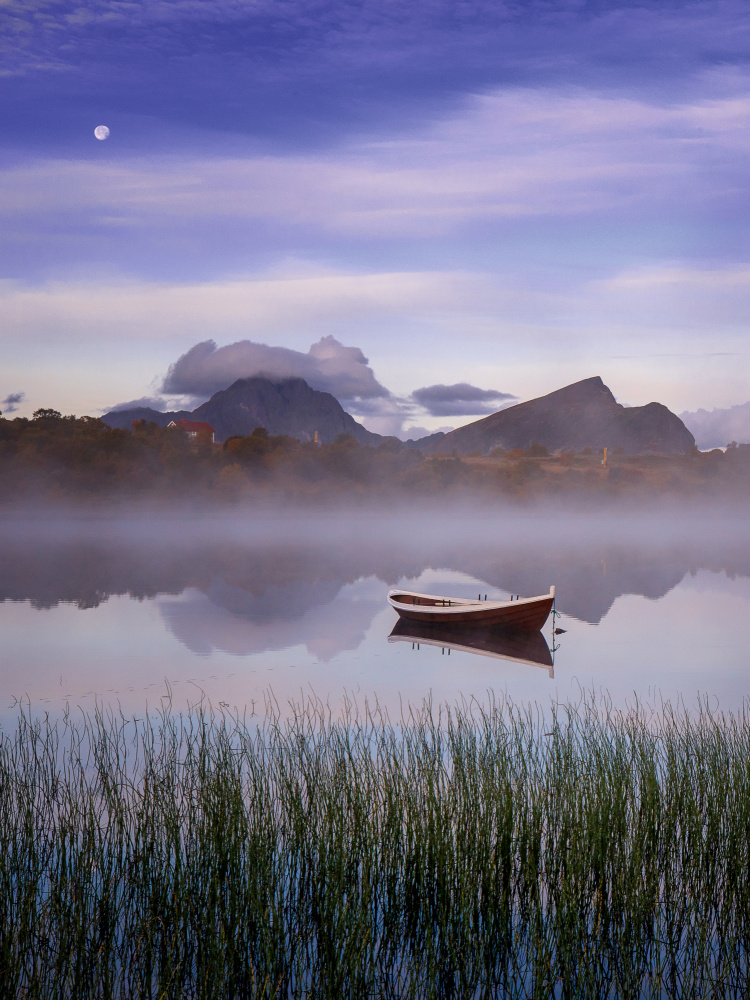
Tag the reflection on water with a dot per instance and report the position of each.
(112, 607)
(515, 645)
(279, 575)
(229, 619)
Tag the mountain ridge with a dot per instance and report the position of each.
(584, 414)
(283, 406)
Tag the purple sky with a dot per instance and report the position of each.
(466, 196)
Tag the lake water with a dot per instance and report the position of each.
(124, 610)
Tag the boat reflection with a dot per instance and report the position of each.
(515, 645)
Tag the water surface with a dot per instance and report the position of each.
(125, 610)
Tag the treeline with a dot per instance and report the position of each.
(52, 456)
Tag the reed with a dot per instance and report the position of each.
(472, 851)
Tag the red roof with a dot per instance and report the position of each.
(193, 425)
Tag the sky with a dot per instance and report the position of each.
(430, 208)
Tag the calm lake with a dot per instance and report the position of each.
(124, 610)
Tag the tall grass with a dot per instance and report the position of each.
(470, 852)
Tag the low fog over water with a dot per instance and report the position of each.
(122, 609)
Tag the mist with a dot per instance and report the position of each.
(101, 605)
(85, 558)
(65, 462)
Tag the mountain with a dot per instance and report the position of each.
(426, 443)
(125, 418)
(582, 415)
(283, 406)
(716, 428)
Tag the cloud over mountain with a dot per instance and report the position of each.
(460, 400)
(150, 402)
(328, 366)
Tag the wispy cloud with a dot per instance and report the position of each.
(293, 305)
(331, 67)
(689, 299)
(460, 400)
(655, 309)
(508, 155)
(11, 402)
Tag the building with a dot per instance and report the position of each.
(193, 427)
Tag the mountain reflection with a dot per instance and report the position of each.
(241, 624)
(243, 592)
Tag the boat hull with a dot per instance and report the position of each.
(526, 613)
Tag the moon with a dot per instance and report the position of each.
(101, 132)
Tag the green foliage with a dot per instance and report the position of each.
(58, 457)
(467, 853)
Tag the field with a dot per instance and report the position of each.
(468, 852)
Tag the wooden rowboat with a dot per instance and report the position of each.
(516, 645)
(523, 612)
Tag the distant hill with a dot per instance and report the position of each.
(425, 443)
(582, 415)
(717, 428)
(125, 418)
(283, 406)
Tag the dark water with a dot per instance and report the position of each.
(122, 610)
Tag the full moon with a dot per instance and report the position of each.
(101, 132)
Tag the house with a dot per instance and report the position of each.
(193, 427)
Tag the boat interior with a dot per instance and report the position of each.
(431, 602)
(428, 601)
